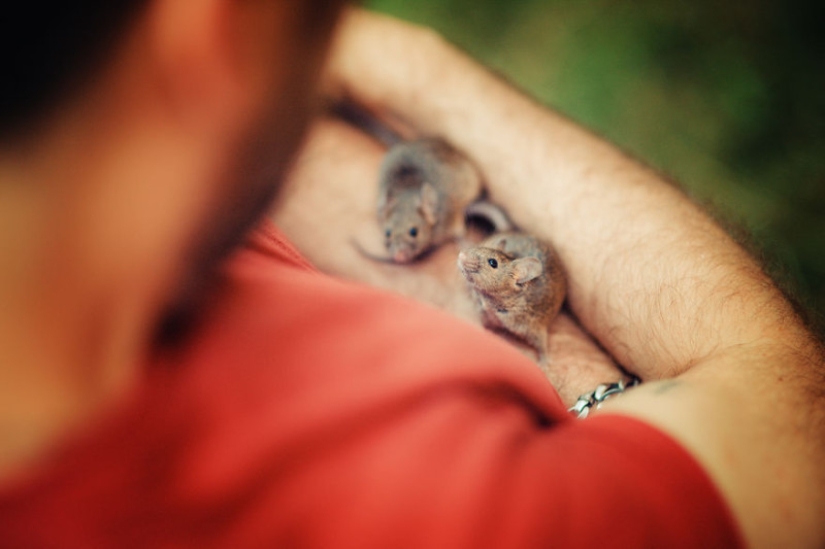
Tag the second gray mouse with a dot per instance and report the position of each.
(425, 186)
(519, 283)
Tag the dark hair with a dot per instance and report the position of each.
(49, 49)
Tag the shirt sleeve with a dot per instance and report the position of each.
(467, 469)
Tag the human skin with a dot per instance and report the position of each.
(114, 207)
(731, 372)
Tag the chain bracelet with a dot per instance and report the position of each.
(581, 409)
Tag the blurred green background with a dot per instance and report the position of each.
(728, 98)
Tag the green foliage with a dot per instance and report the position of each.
(728, 98)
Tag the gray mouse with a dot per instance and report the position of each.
(428, 191)
(425, 186)
(519, 283)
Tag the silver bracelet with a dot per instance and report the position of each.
(582, 407)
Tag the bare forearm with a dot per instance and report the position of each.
(653, 278)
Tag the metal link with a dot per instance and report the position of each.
(581, 409)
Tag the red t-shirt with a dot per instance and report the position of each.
(313, 412)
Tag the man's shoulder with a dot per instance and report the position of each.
(311, 411)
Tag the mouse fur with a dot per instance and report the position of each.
(519, 284)
(425, 186)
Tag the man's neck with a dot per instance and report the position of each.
(52, 376)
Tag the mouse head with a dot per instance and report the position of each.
(408, 223)
(492, 271)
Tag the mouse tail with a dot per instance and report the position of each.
(366, 122)
(490, 214)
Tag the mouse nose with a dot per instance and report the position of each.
(466, 263)
(401, 256)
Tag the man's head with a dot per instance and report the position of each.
(228, 80)
(139, 139)
(51, 52)
(48, 50)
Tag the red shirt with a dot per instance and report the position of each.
(313, 412)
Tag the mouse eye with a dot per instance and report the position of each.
(493, 263)
(414, 232)
(388, 233)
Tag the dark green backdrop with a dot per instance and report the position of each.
(726, 97)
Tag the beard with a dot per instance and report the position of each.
(259, 165)
(261, 161)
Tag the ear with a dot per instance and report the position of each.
(429, 203)
(192, 57)
(526, 269)
(501, 244)
(217, 60)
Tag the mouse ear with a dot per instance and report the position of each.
(526, 269)
(429, 203)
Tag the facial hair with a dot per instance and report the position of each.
(261, 162)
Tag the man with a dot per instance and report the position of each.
(147, 402)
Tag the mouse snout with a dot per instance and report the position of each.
(402, 256)
(400, 251)
(468, 263)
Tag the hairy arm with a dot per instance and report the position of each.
(327, 205)
(664, 289)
